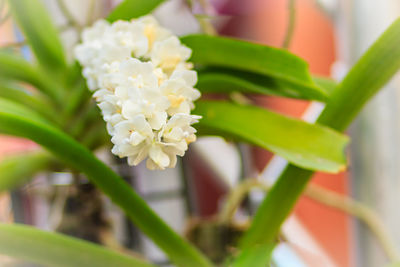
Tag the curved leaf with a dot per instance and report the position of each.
(37, 26)
(17, 169)
(130, 9)
(15, 108)
(28, 99)
(241, 55)
(14, 67)
(307, 145)
(52, 249)
(256, 256)
(219, 80)
(327, 84)
(16, 120)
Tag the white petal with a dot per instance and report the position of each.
(141, 125)
(110, 128)
(183, 108)
(100, 94)
(108, 108)
(173, 161)
(130, 109)
(122, 92)
(158, 120)
(144, 151)
(189, 76)
(151, 165)
(158, 156)
(175, 134)
(169, 53)
(126, 149)
(136, 138)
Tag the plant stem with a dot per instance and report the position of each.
(276, 206)
(68, 15)
(358, 210)
(206, 26)
(236, 196)
(291, 24)
(14, 45)
(325, 197)
(90, 13)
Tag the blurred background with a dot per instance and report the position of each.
(330, 35)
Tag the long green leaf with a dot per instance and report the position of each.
(18, 109)
(219, 80)
(57, 250)
(32, 100)
(17, 169)
(42, 35)
(130, 9)
(327, 84)
(15, 120)
(306, 145)
(236, 54)
(256, 256)
(222, 80)
(372, 71)
(15, 68)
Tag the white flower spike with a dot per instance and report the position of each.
(144, 87)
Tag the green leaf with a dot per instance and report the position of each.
(17, 169)
(42, 35)
(32, 100)
(57, 250)
(220, 80)
(256, 256)
(14, 67)
(19, 121)
(264, 60)
(17, 109)
(306, 145)
(327, 84)
(130, 9)
(372, 71)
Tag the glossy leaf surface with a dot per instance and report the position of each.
(17, 169)
(130, 9)
(220, 80)
(255, 58)
(15, 68)
(257, 256)
(306, 145)
(52, 249)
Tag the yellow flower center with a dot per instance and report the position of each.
(175, 101)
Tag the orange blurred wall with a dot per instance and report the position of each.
(313, 40)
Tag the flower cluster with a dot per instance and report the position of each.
(144, 88)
